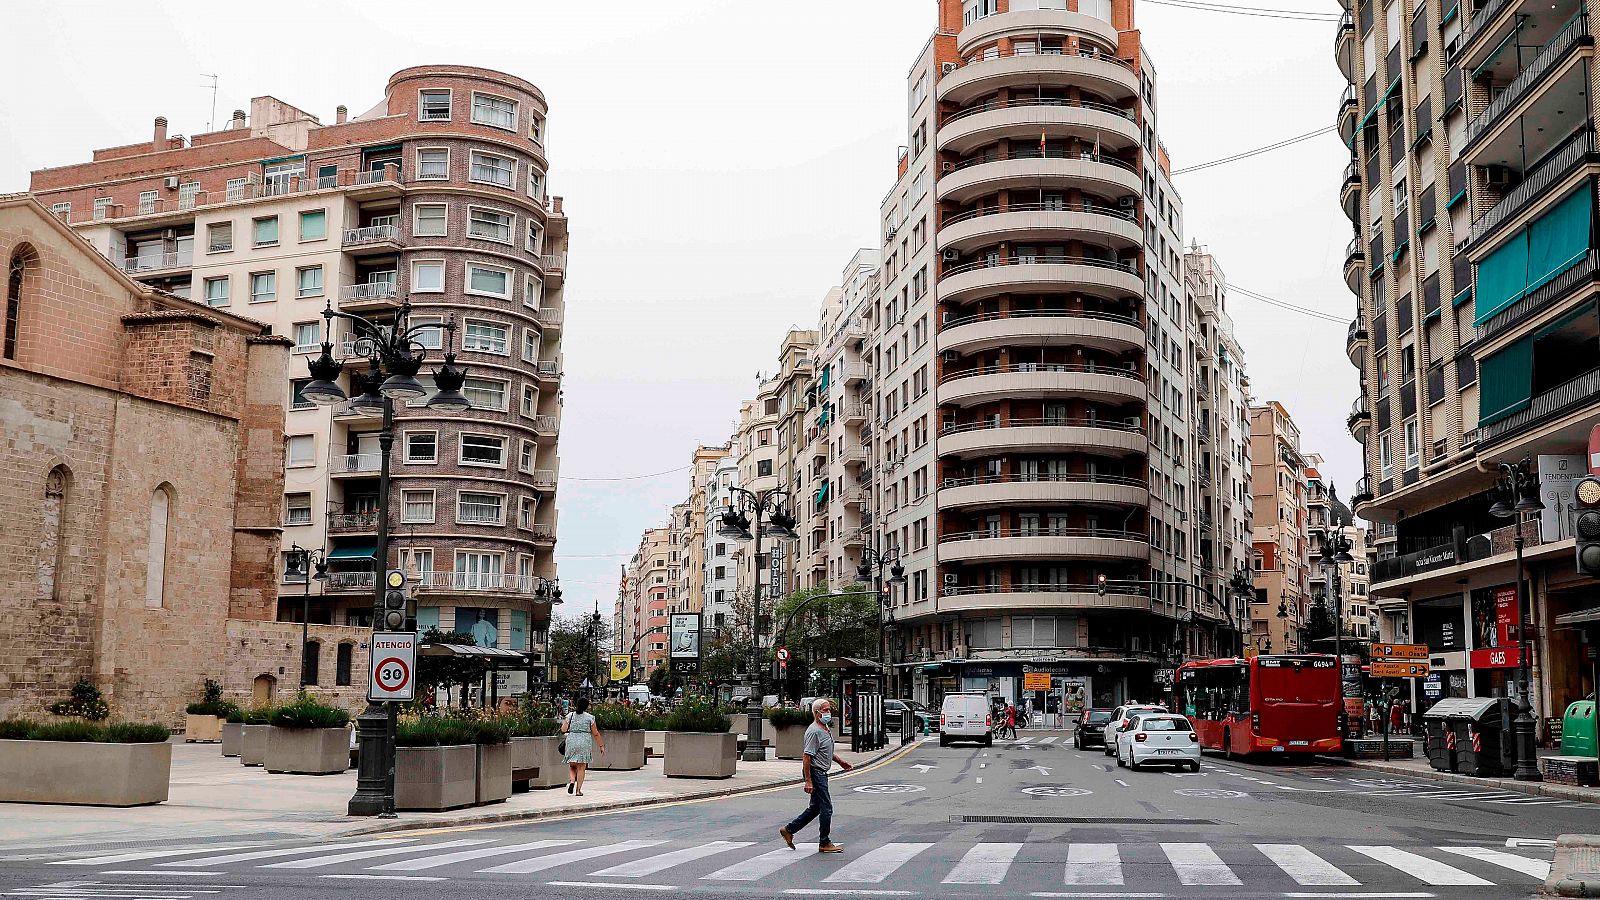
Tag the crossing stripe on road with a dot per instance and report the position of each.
(1198, 864)
(759, 867)
(142, 854)
(661, 862)
(540, 863)
(445, 859)
(1538, 868)
(1093, 864)
(1424, 869)
(984, 864)
(322, 862)
(1305, 867)
(876, 864)
(282, 851)
(1047, 740)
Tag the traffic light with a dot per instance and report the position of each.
(1100, 585)
(1586, 525)
(394, 600)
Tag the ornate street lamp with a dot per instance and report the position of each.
(1517, 493)
(872, 568)
(295, 564)
(748, 516)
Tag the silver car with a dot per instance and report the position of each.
(1121, 717)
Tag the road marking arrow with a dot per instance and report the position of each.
(1041, 769)
(923, 767)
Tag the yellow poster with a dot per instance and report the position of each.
(621, 666)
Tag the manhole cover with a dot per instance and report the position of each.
(1206, 794)
(889, 789)
(1056, 792)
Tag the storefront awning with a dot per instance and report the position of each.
(367, 551)
(495, 654)
(1580, 617)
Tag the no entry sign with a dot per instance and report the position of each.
(393, 669)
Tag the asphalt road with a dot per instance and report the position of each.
(1029, 819)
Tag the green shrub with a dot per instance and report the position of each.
(258, 715)
(16, 729)
(616, 717)
(84, 702)
(236, 715)
(307, 711)
(491, 731)
(520, 725)
(443, 731)
(75, 730)
(134, 733)
(698, 714)
(222, 709)
(654, 721)
(788, 717)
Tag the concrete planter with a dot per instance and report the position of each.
(253, 745)
(701, 754)
(494, 773)
(624, 752)
(435, 778)
(202, 729)
(232, 738)
(655, 743)
(308, 751)
(790, 741)
(540, 760)
(84, 773)
(739, 723)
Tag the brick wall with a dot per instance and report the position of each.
(268, 652)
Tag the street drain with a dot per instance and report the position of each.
(1073, 820)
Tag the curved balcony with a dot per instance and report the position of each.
(1360, 419)
(1346, 118)
(1042, 328)
(968, 129)
(1101, 73)
(970, 179)
(1043, 222)
(1355, 343)
(1055, 490)
(1060, 543)
(1343, 46)
(1030, 22)
(977, 598)
(976, 439)
(1350, 193)
(1355, 265)
(1106, 278)
(1041, 380)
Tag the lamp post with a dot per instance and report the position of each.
(592, 632)
(1516, 493)
(394, 356)
(1241, 587)
(1336, 552)
(298, 562)
(873, 564)
(742, 519)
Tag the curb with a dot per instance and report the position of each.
(1575, 871)
(532, 815)
(1558, 791)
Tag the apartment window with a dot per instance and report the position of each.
(485, 337)
(434, 106)
(530, 345)
(297, 509)
(525, 513)
(188, 194)
(263, 286)
(236, 188)
(488, 109)
(416, 507)
(535, 183)
(297, 394)
(530, 400)
(763, 468)
(308, 281)
(525, 457)
(536, 127)
(535, 237)
(147, 202)
(219, 237)
(1413, 445)
(102, 207)
(62, 211)
(491, 169)
(429, 220)
(533, 291)
(433, 165)
(1385, 456)
(216, 291)
(483, 450)
(485, 393)
(490, 224)
(422, 447)
(488, 282)
(477, 508)
(265, 231)
(307, 336)
(300, 450)
(429, 333)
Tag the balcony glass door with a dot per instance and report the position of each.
(478, 571)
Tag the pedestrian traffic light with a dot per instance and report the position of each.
(1586, 525)
(394, 600)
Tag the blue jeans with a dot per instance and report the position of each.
(821, 808)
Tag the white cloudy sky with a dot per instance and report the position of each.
(721, 160)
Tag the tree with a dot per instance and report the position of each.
(1319, 623)
(664, 682)
(440, 672)
(577, 645)
(823, 625)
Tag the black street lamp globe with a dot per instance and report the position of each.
(323, 389)
(897, 574)
(782, 526)
(448, 379)
(734, 525)
(402, 383)
(369, 401)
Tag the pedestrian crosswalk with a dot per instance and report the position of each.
(1039, 864)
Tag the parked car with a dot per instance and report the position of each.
(1121, 717)
(892, 711)
(966, 717)
(1158, 739)
(1090, 728)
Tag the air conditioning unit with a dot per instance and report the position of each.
(947, 68)
(1496, 176)
(948, 167)
(890, 233)
(1125, 203)
(951, 356)
(951, 255)
(172, 182)
(952, 578)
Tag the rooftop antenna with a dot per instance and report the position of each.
(213, 119)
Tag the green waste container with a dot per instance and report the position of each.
(1578, 730)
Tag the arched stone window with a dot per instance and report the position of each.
(313, 662)
(155, 576)
(22, 259)
(342, 664)
(52, 532)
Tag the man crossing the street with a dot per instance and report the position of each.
(814, 766)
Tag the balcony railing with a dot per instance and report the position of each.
(1005, 368)
(150, 262)
(389, 173)
(1043, 478)
(1046, 153)
(1048, 422)
(1358, 330)
(544, 479)
(1098, 209)
(554, 262)
(1037, 314)
(365, 521)
(371, 234)
(487, 582)
(543, 534)
(1556, 166)
(376, 290)
(352, 463)
(1575, 394)
(1042, 531)
(1585, 271)
(549, 368)
(1041, 260)
(547, 316)
(546, 424)
(1036, 101)
(1085, 50)
(1484, 17)
(1575, 33)
(349, 581)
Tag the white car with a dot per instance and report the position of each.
(1120, 718)
(965, 717)
(1158, 739)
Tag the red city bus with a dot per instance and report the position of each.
(1276, 704)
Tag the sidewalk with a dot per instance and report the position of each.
(1419, 768)
(213, 796)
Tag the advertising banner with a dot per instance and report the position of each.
(1557, 477)
(683, 650)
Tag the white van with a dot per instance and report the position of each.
(966, 717)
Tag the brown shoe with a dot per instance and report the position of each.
(830, 848)
(787, 837)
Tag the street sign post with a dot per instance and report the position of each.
(1399, 651)
(1399, 669)
(392, 668)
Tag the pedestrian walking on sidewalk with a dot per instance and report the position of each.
(582, 738)
(1010, 721)
(814, 766)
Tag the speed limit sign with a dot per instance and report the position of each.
(392, 673)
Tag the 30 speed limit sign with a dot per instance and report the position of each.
(393, 670)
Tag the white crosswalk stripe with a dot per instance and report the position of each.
(1428, 871)
(1022, 740)
(322, 862)
(282, 851)
(1093, 864)
(1198, 864)
(115, 858)
(759, 867)
(984, 864)
(541, 863)
(1047, 740)
(446, 859)
(1538, 868)
(1303, 866)
(876, 864)
(661, 862)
